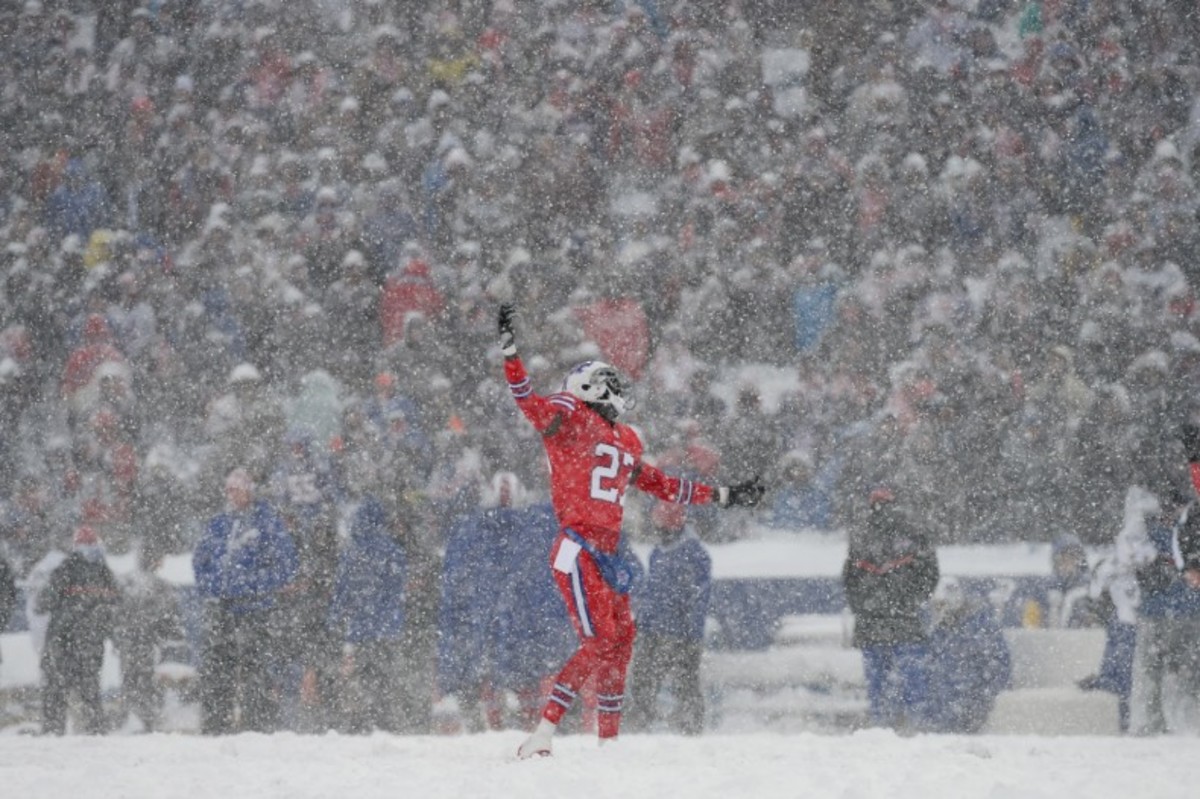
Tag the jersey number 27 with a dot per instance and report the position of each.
(605, 485)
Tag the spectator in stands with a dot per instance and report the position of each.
(367, 611)
(1168, 621)
(149, 619)
(241, 562)
(1189, 533)
(890, 572)
(1113, 599)
(1063, 600)
(8, 592)
(245, 425)
(409, 290)
(303, 490)
(79, 205)
(82, 600)
(79, 378)
(29, 521)
(108, 472)
(671, 606)
(1046, 219)
(1068, 603)
(467, 612)
(418, 532)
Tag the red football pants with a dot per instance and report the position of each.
(603, 621)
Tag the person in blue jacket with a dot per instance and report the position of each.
(670, 609)
(79, 205)
(242, 561)
(367, 609)
(1168, 619)
(304, 489)
(532, 634)
(471, 577)
(969, 660)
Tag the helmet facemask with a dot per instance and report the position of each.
(601, 387)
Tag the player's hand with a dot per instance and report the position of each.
(1190, 436)
(508, 334)
(745, 495)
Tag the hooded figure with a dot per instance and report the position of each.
(8, 593)
(671, 606)
(80, 599)
(412, 290)
(367, 610)
(890, 572)
(969, 660)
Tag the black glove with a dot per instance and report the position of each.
(508, 335)
(744, 495)
(1190, 436)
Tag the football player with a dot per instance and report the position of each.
(594, 460)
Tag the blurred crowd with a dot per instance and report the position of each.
(947, 245)
(256, 234)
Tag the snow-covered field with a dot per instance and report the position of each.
(864, 765)
(762, 745)
(779, 722)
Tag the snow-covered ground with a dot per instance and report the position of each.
(780, 724)
(778, 728)
(865, 765)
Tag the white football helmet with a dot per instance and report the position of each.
(598, 383)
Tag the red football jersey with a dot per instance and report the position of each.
(593, 462)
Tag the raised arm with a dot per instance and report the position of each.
(544, 413)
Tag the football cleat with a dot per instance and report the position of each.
(534, 746)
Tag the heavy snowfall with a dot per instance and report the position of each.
(272, 524)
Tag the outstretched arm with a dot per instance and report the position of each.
(658, 483)
(668, 488)
(544, 413)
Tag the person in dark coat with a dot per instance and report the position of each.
(367, 610)
(81, 599)
(244, 558)
(1188, 536)
(305, 493)
(1168, 619)
(8, 593)
(79, 205)
(149, 619)
(467, 617)
(890, 572)
(1115, 672)
(670, 608)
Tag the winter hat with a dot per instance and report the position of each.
(239, 479)
(1067, 549)
(95, 328)
(506, 491)
(881, 494)
(85, 536)
(244, 373)
(669, 516)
